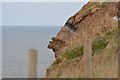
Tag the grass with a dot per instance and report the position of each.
(98, 45)
(74, 53)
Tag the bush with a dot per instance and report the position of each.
(77, 52)
(98, 45)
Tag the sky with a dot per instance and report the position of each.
(44, 0)
(0, 15)
(58, 0)
(0, 41)
(16, 13)
(38, 13)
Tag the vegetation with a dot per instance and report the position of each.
(77, 52)
(98, 45)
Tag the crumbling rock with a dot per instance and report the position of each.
(94, 19)
(56, 44)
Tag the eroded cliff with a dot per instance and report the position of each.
(94, 30)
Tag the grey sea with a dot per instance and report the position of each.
(15, 44)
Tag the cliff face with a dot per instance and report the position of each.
(88, 38)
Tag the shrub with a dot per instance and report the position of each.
(98, 45)
(76, 52)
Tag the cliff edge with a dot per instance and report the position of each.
(87, 45)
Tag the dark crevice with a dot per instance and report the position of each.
(71, 26)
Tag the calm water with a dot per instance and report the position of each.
(17, 41)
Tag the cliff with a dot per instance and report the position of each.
(87, 45)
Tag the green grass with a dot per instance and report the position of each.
(98, 45)
(74, 53)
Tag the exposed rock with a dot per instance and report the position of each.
(94, 20)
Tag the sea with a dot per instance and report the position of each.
(17, 40)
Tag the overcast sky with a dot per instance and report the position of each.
(38, 13)
(44, 0)
(0, 14)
